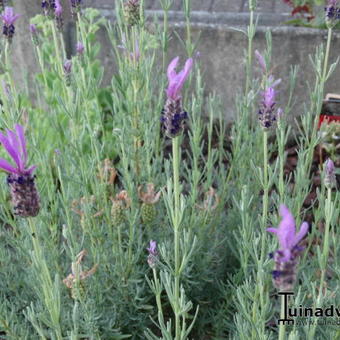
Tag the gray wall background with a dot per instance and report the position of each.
(221, 45)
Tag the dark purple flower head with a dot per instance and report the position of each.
(267, 114)
(153, 254)
(49, 7)
(332, 11)
(15, 145)
(75, 6)
(9, 18)
(177, 80)
(330, 178)
(80, 48)
(286, 233)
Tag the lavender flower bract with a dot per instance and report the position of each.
(25, 198)
(173, 116)
(9, 18)
(286, 258)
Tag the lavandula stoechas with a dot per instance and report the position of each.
(58, 12)
(75, 6)
(9, 18)
(332, 11)
(286, 258)
(67, 71)
(330, 179)
(131, 12)
(267, 112)
(49, 7)
(153, 254)
(24, 195)
(173, 116)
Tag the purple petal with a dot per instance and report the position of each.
(21, 135)
(301, 234)
(171, 68)
(5, 165)
(286, 230)
(13, 139)
(8, 146)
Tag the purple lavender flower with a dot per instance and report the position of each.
(80, 48)
(267, 114)
(330, 178)
(25, 198)
(58, 14)
(153, 254)
(75, 6)
(49, 7)
(176, 81)
(286, 258)
(9, 18)
(332, 11)
(173, 116)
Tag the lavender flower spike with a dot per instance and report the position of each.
(267, 115)
(153, 254)
(330, 178)
(332, 11)
(25, 198)
(58, 14)
(286, 257)
(173, 116)
(9, 18)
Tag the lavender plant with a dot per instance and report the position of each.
(141, 153)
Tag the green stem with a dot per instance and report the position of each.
(47, 284)
(265, 192)
(324, 256)
(282, 328)
(328, 46)
(250, 52)
(176, 161)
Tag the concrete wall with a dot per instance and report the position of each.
(221, 49)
